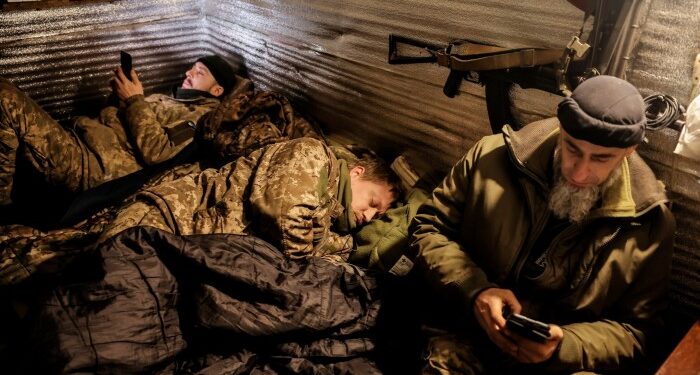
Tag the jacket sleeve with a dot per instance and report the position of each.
(332, 243)
(631, 323)
(152, 141)
(290, 194)
(435, 231)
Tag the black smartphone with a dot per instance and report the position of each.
(529, 328)
(126, 64)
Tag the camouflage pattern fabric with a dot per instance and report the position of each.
(48, 146)
(94, 150)
(448, 354)
(285, 193)
(247, 121)
(151, 120)
(25, 251)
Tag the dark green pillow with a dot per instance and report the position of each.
(383, 243)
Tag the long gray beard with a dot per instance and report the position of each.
(574, 203)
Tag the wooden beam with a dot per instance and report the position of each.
(685, 358)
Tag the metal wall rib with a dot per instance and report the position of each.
(63, 57)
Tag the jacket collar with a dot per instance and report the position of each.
(636, 192)
(190, 94)
(346, 221)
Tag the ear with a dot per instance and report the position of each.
(630, 150)
(216, 90)
(357, 171)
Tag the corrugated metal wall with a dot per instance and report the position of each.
(663, 63)
(330, 56)
(63, 57)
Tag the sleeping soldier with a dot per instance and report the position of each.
(297, 195)
(562, 222)
(145, 131)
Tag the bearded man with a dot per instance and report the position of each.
(561, 221)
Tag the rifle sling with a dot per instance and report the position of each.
(482, 57)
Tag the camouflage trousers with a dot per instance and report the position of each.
(450, 354)
(455, 354)
(28, 131)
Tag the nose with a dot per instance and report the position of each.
(580, 172)
(188, 73)
(369, 214)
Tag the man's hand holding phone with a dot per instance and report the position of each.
(536, 341)
(125, 63)
(489, 308)
(528, 328)
(126, 82)
(489, 305)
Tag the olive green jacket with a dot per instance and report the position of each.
(605, 279)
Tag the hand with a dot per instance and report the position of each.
(529, 351)
(488, 309)
(125, 88)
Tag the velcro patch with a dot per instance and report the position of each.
(181, 132)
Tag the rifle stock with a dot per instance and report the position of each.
(525, 67)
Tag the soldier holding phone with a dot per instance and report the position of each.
(141, 131)
(562, 222)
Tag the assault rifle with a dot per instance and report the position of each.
(497, 69)
(613, 35)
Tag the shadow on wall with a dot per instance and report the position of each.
(36, 202)
(89, 99)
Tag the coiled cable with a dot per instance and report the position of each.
(663, 111)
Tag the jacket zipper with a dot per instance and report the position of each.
(542, 258)
(570, 229)
(602, 247)
(522, 256)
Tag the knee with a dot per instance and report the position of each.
(14, 105)
(7, 86)
(9, 92)
(448, 354)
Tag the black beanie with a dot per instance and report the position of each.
(606, 111)
(221, 70)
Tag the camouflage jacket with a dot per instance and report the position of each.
(248, 121)
(148, 131)
(285, 193)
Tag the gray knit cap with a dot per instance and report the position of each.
(606, 111)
